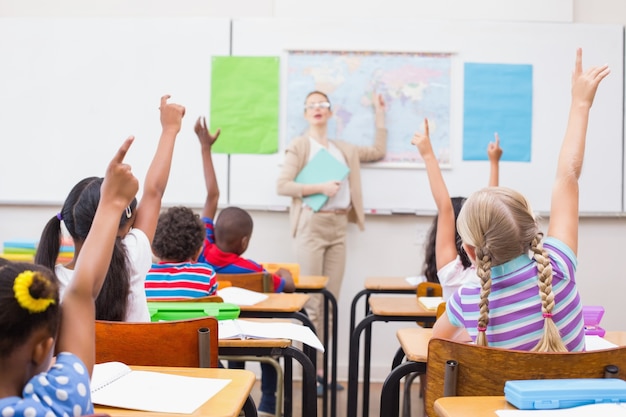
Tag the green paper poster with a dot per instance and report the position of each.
(244, 104)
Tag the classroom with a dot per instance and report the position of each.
(392, 243)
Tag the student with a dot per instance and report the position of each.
(526, 303)
(32, 326)
(445, 260)
(320, 237)
(177, 243)
(123, 296)
(223, 247)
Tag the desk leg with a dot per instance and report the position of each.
(398, 358)
(309, 395)
(288, 387)
(390, 394)
(249, 408)
(332, 301)
(355, 300)
(353, 365)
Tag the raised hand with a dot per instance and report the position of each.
(494, 152)
(171, 114)
(204, 135)
(120, 185)
(379, 103)
(422, 141)
(585, 83)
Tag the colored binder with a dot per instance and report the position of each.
(321, 168)
(183, 310)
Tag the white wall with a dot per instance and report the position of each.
(390, 245)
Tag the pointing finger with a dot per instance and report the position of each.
(121, 152)
(579, 61)
(164, 99)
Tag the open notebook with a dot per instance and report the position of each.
(116, 385)
(271, 329)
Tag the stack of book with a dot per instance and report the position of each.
(66, 253)
(19, 250)
(24, 250)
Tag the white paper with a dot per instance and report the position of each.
(241, 296)
(592, 410)
(594, 342)
(230, 329)
(430, 303)
(151, 391)
(415, 279)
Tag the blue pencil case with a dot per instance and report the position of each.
(544, 394)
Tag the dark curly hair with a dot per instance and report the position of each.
(430, 258)
(16, 322)
(179, 235)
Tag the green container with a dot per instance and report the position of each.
(183, 310)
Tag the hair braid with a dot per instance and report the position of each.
(483, 269)
(551, 340)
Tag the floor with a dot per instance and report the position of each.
(374, 410)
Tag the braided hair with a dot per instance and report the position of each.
(499, 224)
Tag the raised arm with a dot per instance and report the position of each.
(564, 208)
(445, 244)
(76, 332)
(158, 173)
(494, 152)
(212, 189)
(379, 149)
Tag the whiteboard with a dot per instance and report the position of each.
(548, 47)
(73, 89)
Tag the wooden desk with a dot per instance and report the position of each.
(381, 309)
(379, 285)
(311, 282)
(240, 348)
(226, 403)
(317, 284)
(251, 349)
(617, 337)
(413, 346)
(277, 303)
(471, 406)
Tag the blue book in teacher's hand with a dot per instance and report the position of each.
(323, 167)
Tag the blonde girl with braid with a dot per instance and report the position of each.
(32, 328)
(526, 298)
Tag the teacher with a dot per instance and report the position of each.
(320, 237)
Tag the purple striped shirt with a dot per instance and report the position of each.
(515, 319)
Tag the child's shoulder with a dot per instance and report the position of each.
(64, 389)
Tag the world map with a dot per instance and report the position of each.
(414, 86)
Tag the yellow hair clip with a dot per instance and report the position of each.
(21, 289)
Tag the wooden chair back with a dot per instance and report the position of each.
(253, 281)
(441, 309)
(168, 343)
(482, 371)
(428, 289)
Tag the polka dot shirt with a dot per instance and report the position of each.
(63, 391)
